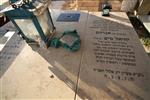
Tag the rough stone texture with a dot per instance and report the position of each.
(144, 8)
(30, 72)
(110, 65)
(129, 5)
(95, 5)
(114, 64)
(90, 5)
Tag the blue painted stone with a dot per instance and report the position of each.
(69, 17)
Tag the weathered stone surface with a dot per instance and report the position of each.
(96, 5)
(114, 64)
(40, 73)
(90, 5)
(111, 63)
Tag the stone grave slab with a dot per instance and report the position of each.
(39, 73)
(114, 65)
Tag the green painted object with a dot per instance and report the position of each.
(69, 40)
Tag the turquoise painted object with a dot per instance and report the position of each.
(24, 11)
(106, 8)
(69, 40)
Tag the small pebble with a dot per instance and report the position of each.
(52, 76)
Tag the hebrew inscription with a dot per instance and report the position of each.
(113, 50)
(114, 65)
(10, 52)
(112, 44)
(119, 75)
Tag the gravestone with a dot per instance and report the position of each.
(114, 64)
(39, 73)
